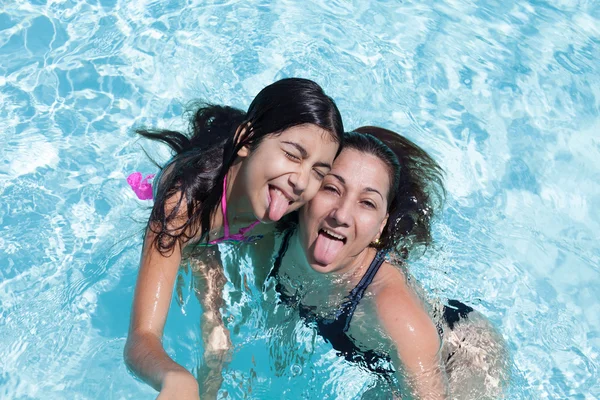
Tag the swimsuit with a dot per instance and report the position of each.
(333, 330)
(227, 238)
(240, 236)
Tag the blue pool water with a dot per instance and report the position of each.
(505, 94)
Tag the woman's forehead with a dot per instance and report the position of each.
(355, 157)
(359, 168)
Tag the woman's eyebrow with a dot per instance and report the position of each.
(339, 178)
(304, 154)
(370, 189)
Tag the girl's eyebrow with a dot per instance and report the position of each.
(298, 146)
(304, 153)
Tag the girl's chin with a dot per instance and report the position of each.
(261, 213)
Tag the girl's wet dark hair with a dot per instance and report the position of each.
(416, 187)
(216, 134)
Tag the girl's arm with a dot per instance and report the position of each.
(209, 281)
(144, 353)
(417, 341)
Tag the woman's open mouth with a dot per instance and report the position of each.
(328, 245)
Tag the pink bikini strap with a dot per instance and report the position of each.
(240, 236)
(224, 208)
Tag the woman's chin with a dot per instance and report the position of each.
(322, 265)
(322, 269)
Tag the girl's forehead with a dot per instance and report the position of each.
(311, 137)
(307, 132)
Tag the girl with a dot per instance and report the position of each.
(235, 171)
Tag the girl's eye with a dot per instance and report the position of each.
(291, 156)
(319, 174)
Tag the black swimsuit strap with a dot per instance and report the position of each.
(349, 306)
(344, 314)
(282, 250)
(334, 329)
(359, 290)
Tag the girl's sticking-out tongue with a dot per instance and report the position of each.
(326, 248)
(278, 204)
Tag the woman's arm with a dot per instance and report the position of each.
(144, 353)
(416, 339)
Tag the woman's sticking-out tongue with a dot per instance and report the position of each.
(326, 248)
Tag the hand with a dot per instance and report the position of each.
(180, 385)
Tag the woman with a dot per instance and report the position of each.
(376, 201)
(233, 172)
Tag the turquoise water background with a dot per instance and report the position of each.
(505, 94)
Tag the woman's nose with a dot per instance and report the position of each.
(342, 214)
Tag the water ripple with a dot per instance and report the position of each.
(504, 94)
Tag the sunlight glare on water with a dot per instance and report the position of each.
(504, 94)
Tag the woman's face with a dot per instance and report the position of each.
(348, 212)
(285, 171)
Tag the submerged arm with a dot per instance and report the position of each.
(209, 281)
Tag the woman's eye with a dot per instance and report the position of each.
(329, 188)
(369, 204)
(291, 156)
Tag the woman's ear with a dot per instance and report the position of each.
(385, 220)
(241, 135)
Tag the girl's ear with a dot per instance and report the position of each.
(241, 134)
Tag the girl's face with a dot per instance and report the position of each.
(348, 212)
(285, 171)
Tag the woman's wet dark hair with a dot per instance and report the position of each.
(216, 134)
(416, 187)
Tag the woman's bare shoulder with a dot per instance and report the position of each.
(398, 304)
(391, 281)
